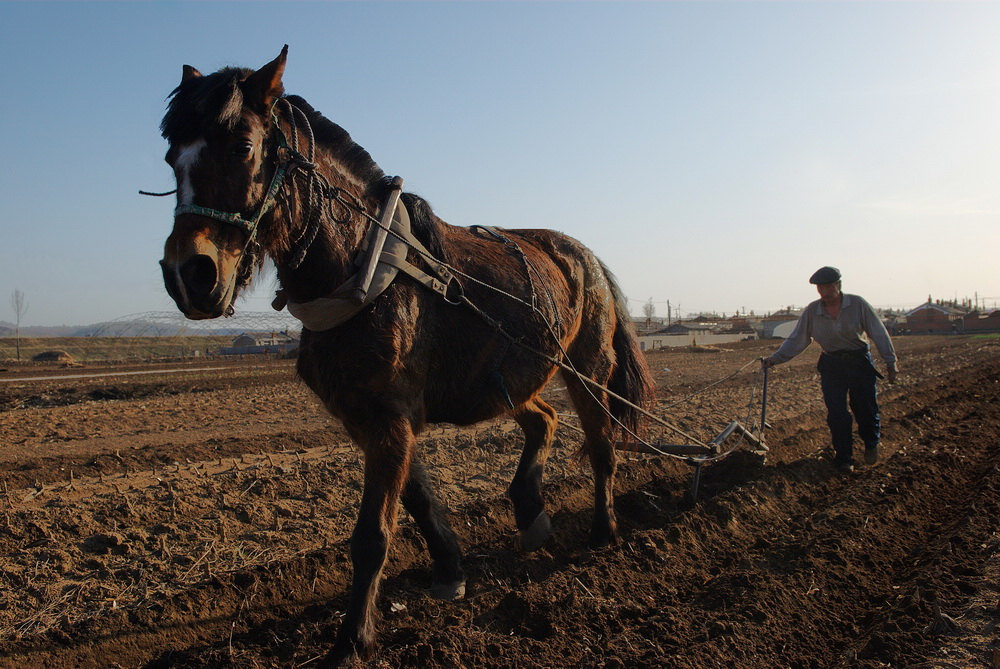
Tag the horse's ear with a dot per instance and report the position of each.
(189, 73)
(264, 85)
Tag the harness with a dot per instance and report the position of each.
(382, 256)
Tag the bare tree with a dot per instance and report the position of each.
(649, 310)
(20, 306)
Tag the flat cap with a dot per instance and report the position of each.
(825, 275)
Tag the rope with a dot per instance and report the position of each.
(565, 363)
(708, 387)
(318, 187)
(702, 459)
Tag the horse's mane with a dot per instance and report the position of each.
(428, 228)
(359, 162)
(425, 225)
(351, 155)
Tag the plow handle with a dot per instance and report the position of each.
(763, 402)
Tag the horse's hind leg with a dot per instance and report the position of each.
(448, 578)
(598, 428)
(538, 421)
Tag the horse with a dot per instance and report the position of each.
(407, 320)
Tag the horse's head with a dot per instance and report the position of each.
(223, 147)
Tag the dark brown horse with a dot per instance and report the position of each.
(474, 328)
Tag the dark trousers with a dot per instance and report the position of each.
(849, 378)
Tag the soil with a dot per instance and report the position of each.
(201, 519)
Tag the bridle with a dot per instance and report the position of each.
(375, 254)
(288, 160)
(249, 226)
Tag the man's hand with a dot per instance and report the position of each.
(768, 363)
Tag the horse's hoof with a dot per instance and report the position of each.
(603, 535)
(448, 592)
(338, 657)
(537, 534)
(603, 541)
(348, 649)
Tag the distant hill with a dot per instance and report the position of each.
(163, 324)
(7, 330)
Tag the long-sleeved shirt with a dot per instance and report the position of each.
(845, 333)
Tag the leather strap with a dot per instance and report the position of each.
(326, 313)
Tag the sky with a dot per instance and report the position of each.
(713, 154)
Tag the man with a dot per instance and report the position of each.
(842, 324)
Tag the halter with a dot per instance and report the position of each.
(249, 226)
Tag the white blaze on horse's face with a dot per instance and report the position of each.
(201, 256)
(187, 158)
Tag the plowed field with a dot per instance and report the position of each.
(201, 519)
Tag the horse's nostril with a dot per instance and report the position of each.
(170, 281)
(199, 274)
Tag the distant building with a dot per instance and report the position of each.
(687, 328)
(981, 322)
(777, 325)
(645, 325)
(737, 324)
(935, 317)
(254, 343)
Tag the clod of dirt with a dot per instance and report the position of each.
(105, 544)
(943, 624)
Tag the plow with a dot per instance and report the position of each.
(696, 452)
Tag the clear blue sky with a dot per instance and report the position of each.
(713, 154)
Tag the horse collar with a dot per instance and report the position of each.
(381, 257)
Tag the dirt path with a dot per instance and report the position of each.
(206, 525)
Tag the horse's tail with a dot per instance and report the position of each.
(630, 378)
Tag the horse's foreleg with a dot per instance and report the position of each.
(387, 459)
(448, 577)
(538, 421)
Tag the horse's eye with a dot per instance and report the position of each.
(243, 149)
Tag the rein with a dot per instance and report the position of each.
(383, 255)
(564, 362)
